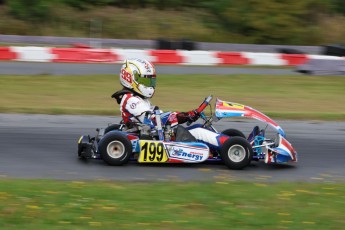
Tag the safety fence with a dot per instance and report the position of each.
(173, 57)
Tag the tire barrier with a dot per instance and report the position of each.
(172, 57)
(322, 67)
(289, 51)
(184, 44)
(334, 50)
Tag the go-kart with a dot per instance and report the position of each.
(163, 140)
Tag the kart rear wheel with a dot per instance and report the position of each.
(112, 128)
(236, 153)
(115, 149)
(233, 133)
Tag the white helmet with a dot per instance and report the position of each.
(140, 76)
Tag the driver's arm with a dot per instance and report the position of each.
(138, 107)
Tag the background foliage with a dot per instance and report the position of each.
(299, 22)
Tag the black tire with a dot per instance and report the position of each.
(112, 128)
(115, 149)
(233, 133)
(236, 153)
(80, 150)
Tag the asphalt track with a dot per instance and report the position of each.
(36, 68)
(44, 146)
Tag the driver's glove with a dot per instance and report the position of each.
(190, 116)
(193, 115)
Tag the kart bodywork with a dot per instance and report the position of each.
(162, 140)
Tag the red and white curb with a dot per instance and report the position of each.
(174, 57)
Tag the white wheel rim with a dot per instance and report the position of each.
(115, 149)
(236, 153)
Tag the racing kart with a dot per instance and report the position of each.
(163, 140)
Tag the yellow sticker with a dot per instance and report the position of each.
(152, 151)
(233, 105)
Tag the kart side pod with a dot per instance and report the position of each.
(172, 152)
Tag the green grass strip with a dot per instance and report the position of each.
(46, 204)
(285, 97)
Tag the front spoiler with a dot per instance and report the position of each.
(86, 148)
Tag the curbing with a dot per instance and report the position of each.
(174, 57)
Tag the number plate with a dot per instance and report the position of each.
(152, 151)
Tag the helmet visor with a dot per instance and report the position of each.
(147, 80)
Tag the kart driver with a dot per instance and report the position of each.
(138, 78)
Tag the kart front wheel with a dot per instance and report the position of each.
(236, 153)
(115, 149)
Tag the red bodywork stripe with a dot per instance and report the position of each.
(125, 114)
(174, 161)
(222, 139)
(290, 148)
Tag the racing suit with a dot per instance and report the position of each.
(134, 108)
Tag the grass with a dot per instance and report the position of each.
(287, 97)
(46, 204)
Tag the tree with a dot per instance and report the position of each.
(34, 10)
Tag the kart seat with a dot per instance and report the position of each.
(183, 135)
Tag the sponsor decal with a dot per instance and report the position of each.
(178, 152)
(140, 60)
(233, 105)
(133, 105)
(146, 65)
(135, 145)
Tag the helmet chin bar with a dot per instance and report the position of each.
(146, 91)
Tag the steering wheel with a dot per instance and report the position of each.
(204, 104)
(201, 108)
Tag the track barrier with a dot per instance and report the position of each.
(173, 57)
